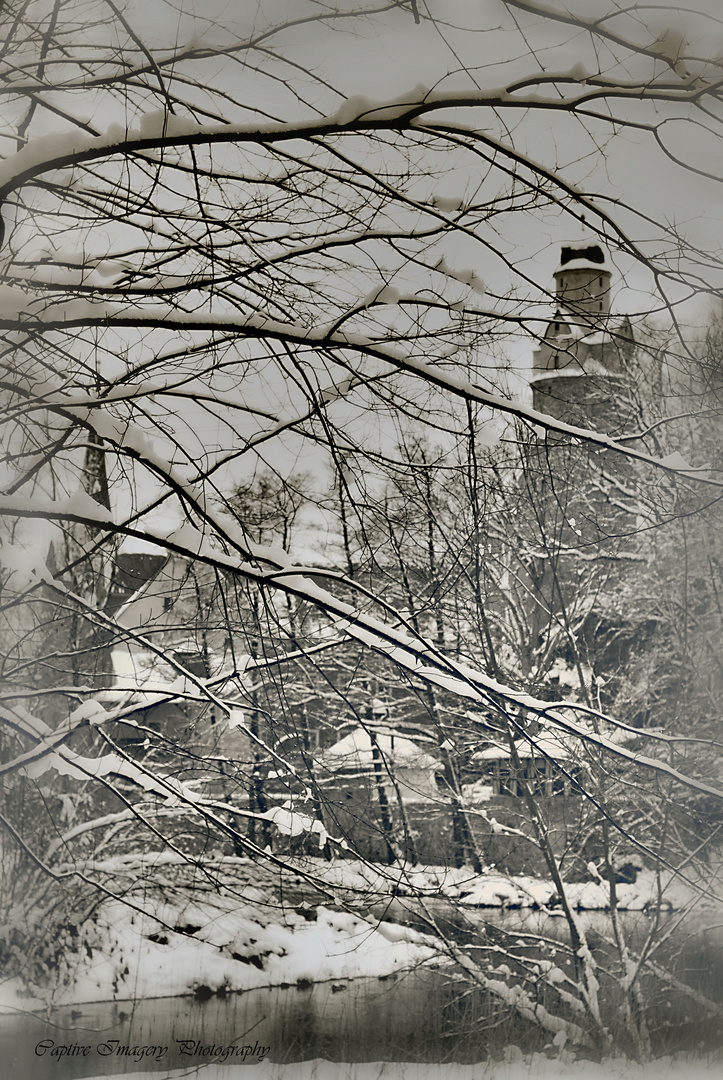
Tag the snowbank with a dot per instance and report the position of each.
(220, 944)
(497, 890)
(196, 939)
(535, 1067)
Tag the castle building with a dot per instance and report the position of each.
(586, 371)
(577, 532)
(580, 370)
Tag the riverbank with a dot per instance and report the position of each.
(211, 946)
(232, 925)
(532, 1067)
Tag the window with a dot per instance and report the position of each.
(540, 776)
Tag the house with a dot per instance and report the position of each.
(549, 765)
(396, 759)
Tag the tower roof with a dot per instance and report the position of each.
(587, 254)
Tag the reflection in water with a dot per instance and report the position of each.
(422, 1016)
(415, 1017)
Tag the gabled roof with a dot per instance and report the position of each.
(552, 745)
(146, 676)
(355, 751)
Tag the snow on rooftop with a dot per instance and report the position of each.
(584, 254)
(136, 545)
(572, 371)
(356, 750)
(552, 746)
(144, 674)
(495, 752)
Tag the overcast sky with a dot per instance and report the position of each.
(480, 44)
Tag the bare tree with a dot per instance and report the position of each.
(220, 258)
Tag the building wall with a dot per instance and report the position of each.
(501, 827)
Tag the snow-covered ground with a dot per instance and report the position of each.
(534, 1067)
(179, 937)
(220, 945)
(497, 890)
(189, 939)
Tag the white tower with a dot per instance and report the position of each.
(582, 280)
(580, 368)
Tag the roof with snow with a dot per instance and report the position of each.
(137, 545)
(355, 751)
(588, 254)
(547, 746)
(146, 676)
